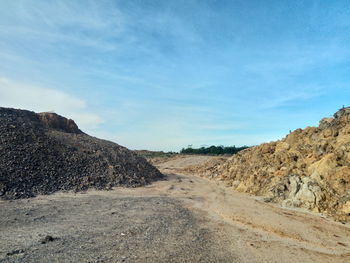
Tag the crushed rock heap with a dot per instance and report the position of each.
(44, 153)
(309, 168)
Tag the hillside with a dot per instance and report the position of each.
(309, 168)
(44, 153)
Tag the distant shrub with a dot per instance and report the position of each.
(213, 150)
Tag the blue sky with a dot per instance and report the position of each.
(162, 75)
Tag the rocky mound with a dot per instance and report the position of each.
(309, 168)
(44, 153)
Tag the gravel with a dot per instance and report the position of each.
(91, 228)
(44, 153)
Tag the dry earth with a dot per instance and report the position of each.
(182, 219)
(309, 168)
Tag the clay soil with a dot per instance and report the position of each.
(181, 219)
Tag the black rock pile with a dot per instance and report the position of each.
(44, 153)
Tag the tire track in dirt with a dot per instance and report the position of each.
(291, 227)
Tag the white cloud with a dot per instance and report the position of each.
(38, 99)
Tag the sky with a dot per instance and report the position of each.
(162, 75)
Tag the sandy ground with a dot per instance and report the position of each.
(182, 219)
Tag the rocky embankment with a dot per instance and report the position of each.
(309, 168)
(44, 153)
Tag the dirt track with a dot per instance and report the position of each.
(182, 219)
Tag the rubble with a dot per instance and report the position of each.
(44, 153)
(309, 168)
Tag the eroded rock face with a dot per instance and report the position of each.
(309, 168)
(54, 121)
(45, 153)
(296, 191)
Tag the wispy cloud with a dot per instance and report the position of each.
(290, 60)
(23, 96)
(164, 74)
(54, 22)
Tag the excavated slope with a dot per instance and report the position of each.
(309, 168)
(44, 153)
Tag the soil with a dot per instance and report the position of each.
(182, 219)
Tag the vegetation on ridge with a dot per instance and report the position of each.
(213, 150)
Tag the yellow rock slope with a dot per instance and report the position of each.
(309, 168)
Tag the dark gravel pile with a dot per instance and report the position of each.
(44, 153)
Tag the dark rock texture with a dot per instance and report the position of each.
(44, 153)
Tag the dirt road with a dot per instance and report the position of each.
(182, 219)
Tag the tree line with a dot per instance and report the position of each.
(213, 150)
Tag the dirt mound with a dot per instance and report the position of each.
(44, 153)
(309, 168)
